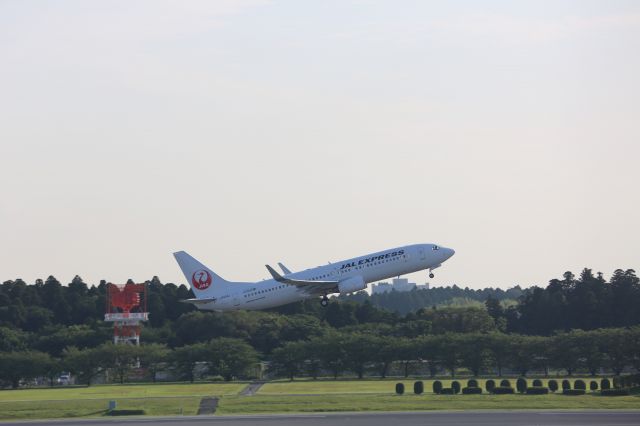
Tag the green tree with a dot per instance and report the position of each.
(289, 359)
(230, 357)
(449, 351)
(331, 352)
(186, 358)
(565, 352)
(121, 359)
(523, 353)
(153, 357)
(16, 366)
(84, 363)
(360, 350)
(500, 349)
(474, 352)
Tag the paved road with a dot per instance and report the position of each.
(432, 418)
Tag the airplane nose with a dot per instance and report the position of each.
(450, 252)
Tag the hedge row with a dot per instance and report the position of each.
(521, 385)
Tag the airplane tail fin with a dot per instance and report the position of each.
(203, 281)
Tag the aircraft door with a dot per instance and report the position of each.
(421, 254)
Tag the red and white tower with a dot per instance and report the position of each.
(127, 309)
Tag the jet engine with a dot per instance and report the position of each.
(351, 285)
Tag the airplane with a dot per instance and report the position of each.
(214, 293)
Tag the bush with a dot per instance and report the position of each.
(489, 385)
(614, 392)
(579, 384)
(537, 390)
(573, 391)
(537, 383)
(553, 385)
(521, 385)
(504, 383)
(126, 413)
(566, 385)
(605, 384)
(455, 385)
(502, 390)
(447, 391)
(437, 387)
(399, 388)
(471, 390)
(418, 387)
(472, 383)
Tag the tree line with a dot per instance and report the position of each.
(50, 319)
(335, 353)
(224, 357)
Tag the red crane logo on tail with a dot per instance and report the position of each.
(201, 279)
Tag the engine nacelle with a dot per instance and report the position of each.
(351, 285)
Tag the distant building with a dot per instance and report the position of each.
(397, 284)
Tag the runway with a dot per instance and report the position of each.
(430, 418)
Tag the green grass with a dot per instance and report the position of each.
(375, 386)
(279, 397)
(122, 391)
(155, 399)
(262, 404)
(96, 407)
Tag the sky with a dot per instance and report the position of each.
(253, 132)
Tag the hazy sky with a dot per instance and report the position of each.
(252, 132)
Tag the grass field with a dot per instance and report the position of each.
(278, 397)
(155, 399)
(261, 404)
(123, 391)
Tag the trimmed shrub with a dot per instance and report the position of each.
(472, 383)
(437, 387)
(418, 387)
(489, 385)
(566, 385)
(573, 392)
(503, 390)
(504, 383)
(455, 385)
(399, 388)
(126, 413)
(537, 383)
(521, 385)
(614, 392)
(593, 385)
(447, 391)
(553, 385)
(473, 390)
(537, 390)
(605, 384)
(579, 384)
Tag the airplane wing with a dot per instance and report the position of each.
(285, 270)
(313, 286)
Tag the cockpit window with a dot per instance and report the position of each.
(435, 248)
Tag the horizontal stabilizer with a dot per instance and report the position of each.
(199, 301)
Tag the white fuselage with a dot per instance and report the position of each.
(371, 268)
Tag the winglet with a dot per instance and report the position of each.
(284, 268)
(276, 276)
